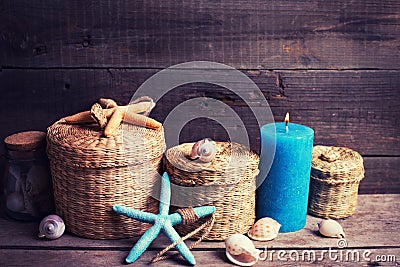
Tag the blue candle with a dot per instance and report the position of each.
(283, 195)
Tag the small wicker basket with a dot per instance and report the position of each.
(228, 183)
(336, 173)
(92, 173)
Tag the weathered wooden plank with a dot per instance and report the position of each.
(344, 108)
(357, 109)
(379, 177)
(298, 257)
(311, 34)
(379, 209)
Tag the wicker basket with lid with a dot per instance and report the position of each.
(336, 173)
(228, 183)
(92, 173)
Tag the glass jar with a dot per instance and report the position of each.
(27, 182)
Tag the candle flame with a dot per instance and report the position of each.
(287, 117)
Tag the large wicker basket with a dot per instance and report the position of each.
(335, 176)
(228, 183)
(92, 173)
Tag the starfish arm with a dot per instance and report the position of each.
(204, 211)
(135, 214)
(165, 195)
(181, 247)
(143, 243)
(176, 218)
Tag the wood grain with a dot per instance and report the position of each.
(333, 65)
(20, 247)
(311, 34)
(379, 177)
(356, 109)
(379, 208)
(90, 258)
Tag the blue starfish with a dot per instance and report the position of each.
(163, 221)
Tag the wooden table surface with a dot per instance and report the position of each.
(372, 236)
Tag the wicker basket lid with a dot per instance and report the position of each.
(230, 165)
(85, 146)
(336, 164)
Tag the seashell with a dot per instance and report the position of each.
(240, 250)
(15, 173)
(331, 228)
(37, 180)
(15, 202)
(264, 229)
(194, 153)
(51, 227)
(203, 150)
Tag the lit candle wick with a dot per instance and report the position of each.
(287, 121)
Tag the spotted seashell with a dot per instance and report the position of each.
(203, 150)
(240, 250)
(264, 229)
(331, 228)
(51, 227)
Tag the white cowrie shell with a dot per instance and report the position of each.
(331, 228)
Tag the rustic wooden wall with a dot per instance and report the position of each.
(334, 65)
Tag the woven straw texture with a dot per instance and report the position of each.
(228, 183)
(92, 173)
(335, 176)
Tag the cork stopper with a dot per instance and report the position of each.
(25, 141)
